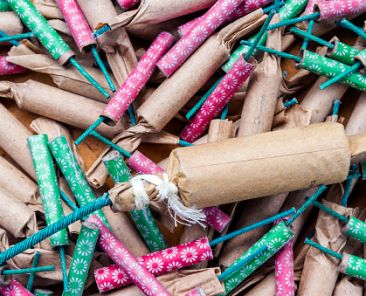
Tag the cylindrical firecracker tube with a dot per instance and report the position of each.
(274, 239)
(14, 288)
(216, 218)
(197, 35)
(73, 173)
(42, 292)
(336, 9)
(48, 187)
(356, 228)
(157, 263)
(77, 23)
(7, 68)
(36, 23)
(4, 5)
(129, 90)
(196, 292)
(217, 101)
(127, 4)
(122, 257)
(82, 258)
(342, 52)
(143, 218)
(353, 266)
(284, 271)
(327, 67)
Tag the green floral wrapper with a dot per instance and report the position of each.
(48, 187)
(36, 23)
(41, 292)
(4, 5)
(361, 56)
(274, 239)
(81, 259)
(356, 228)
(327, 67)
(143, 219)
(343, 53)
(353, 266)
(73, 173)
(288, 11)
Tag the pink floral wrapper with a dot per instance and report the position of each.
(336, 9)
(127, 4)
(14, 289)
(310, 6)
(217, 15)
(77, 23)
(158, 263)
(216, 218)
(196, 292)
(123, 258)
(129, 90)
(7, 68)
(216, 102)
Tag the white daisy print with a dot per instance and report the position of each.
(75, 285)
(175, 265)
(119, 277)
(154, 265)
(199, 34)
(170, 253)
(189, 255)
(106, 286)
(102, 273)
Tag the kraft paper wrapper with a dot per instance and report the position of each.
(13, 140)
(320, 271)
(66, 78)
(10, 23)
(157, 111)
(48, 8)
(296, 116)
(265, 287)
(356, 123)
(346, 287)
(178, 283)
(57, 104)
(262, 94)
(16, 217)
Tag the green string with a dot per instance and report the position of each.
(225, 112)
(341, 75)
(131, 114)
(31, 270)
(184, 143)
(61, 251)
(311, 37)
(87, 132)
(323, 249)
(309, 30)
(32, 276)
(293, 21)
(17, 37)
(344, 23)
(68, 201)
(110, 144)
(15, 43)
(353, 174)
(101, 31)
(336, 105)
(290, 103)
(331, 212)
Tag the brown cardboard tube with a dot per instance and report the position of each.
(48, 8)
(348, 287)
(10, 23)
(356, 123)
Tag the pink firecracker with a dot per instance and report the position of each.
(158, 263)
(310, 6)
(7, 68)
(337, 9)
(196, 292)
(14, 289)
(127, 4)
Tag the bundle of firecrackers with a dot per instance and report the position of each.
(163, 147)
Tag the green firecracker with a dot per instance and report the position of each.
(356, 228)
(353, 266)
(343, 53)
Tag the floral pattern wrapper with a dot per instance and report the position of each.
(129, 90)
(196, 292)
(310, 6)
(14, 289)
(36, 23)
(217, 15)
(7, 68)
(337, 9)
(284, 271)
(77, 23)
(217, 101)
(342, 52)
(42, 292)
(73, 173)
(4, 5)
(353, 266)
(122, 257)
(216, 218)
(127, 4)
(291, 9)
(158, 263)
(274, 239)
(82, 258)
(327, 67)
(48, 187)
(143, 219)
(356, 228)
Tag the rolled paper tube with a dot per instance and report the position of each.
(336, 9)
(310, 6)
(82, 258)
(14, 288)
(77, 23)
(353, 266)
(196, 292)
(10, 24)
(274, 239)
(122, 257)
(158, 263)
(356, 228)
(73, 173)
(42, 292)
(342, 52)
(129, 90)
(284, 271)
(4, 5)
(217, 101)
(36, 23)
(128, 4)
(327, 67)
(48, 187)
(7, 68)
(198, 34)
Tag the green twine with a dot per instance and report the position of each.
(61, 251)
(290, 103)
(32, 276)
(344, 23)
(17, 37)
(323, 249)
(336, 105)
(225, 112)
(15, 43)
(31, 270)
(354, 174)
(307, 35)
(68, 201)
(341, 75)
(305, 43)
(330, 212)
(184, 143)
(293, 21)
(87, 132)
(101, 31)
(110, 144)
(131, 114)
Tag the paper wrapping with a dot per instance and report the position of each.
(319, 275)
(14, 288)
(122, 257)
(158, 263)
(356, 228)
(127, 4)
(217, 15)
(10, 23)
(337, 9)
(196, 292)
(284, 272)
(157, 111)
(48, 8)
(356, 124)
(342, 52)
(346, 287)
(353, 266)
(54, 103)
(218, 99)
(36, 23)
(265, 287)
(7, 68)
(13, 140)
(69, 79)
(130, 89)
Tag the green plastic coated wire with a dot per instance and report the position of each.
(290, 103)
(336, 105)
(311, 37)
(68, 201)
(347, 191)
(305, 43)
(131, 113)
(30, 270)
(342, 75)
(306, 204)
(13, 42)
(87, 132)
(54, 227)
(102, 67)
(184, 143)
(61, 251)
(323, 249)
(225, 112)
(293, 21)
(101, 31)
(331, 212)
(32, 276)
(16, 37)
(344, 23)
(110, 144)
